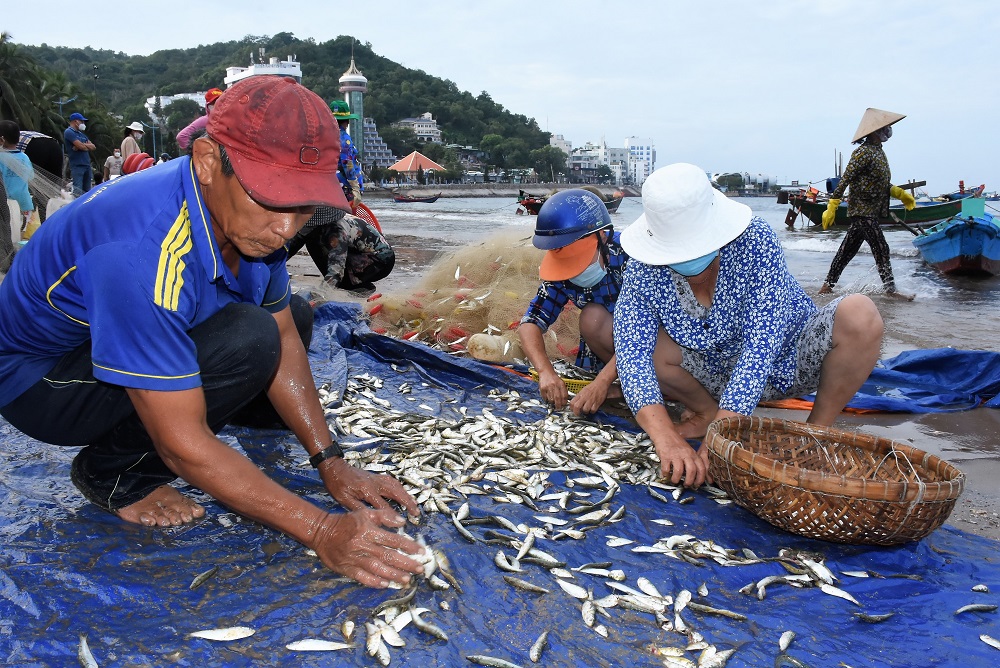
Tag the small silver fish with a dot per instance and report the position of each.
(224, 635)
(785, 640)
(84, 654)
(317, 645)
(535, 653)
(976, 607)
(201, 578)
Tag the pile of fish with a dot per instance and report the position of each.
(509, 454)
(503, 454)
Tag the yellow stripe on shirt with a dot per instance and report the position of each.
(170, 268)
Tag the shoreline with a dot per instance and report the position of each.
(485, 190)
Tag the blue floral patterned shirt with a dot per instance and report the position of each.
(750, 330)
(552, 297)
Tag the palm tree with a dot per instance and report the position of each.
(17, 82)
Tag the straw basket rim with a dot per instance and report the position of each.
(831, 484)
(734, 452)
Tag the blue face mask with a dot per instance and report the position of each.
(695, 266)
(590, 276)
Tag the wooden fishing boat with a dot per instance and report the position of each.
(532, 203)
(923, 214)
(400, 197)
(963, 244)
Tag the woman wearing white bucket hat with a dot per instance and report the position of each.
(710, 316)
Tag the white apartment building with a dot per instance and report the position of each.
(424, 126)
(563, 145)
(641, 158)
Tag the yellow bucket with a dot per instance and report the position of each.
(574, 385)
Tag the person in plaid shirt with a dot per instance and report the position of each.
(583, 264)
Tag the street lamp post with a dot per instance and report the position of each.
(61, 102)
(96, 77)
(154, 128)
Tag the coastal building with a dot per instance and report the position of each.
(563, 145)
(641, 159)
(273, 66)
(354, 85)
(583, 163)
(167, 100)
(375, 151)
(424, 127)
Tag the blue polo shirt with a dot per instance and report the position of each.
(132, 266)
(71, 135)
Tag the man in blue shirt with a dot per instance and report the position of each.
(145, 315)
(78, 147)
(583, 264)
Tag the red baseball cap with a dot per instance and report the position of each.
(211, 95)
(282, 141)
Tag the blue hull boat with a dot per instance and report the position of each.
(963, 244)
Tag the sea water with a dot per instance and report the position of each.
(959, 312)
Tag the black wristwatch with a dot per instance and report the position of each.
(332, 450)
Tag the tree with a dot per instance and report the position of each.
(548, 161)
(180, 113)
(400, 140)
(604, 174)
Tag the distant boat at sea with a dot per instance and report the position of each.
(532, 203)
(400, 197)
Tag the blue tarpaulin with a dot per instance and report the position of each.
(69, 569)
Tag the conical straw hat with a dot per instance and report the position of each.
(875, 119)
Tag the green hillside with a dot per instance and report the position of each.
(124, 82)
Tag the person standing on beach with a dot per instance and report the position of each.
(868, 177)
(113, 165)
(710, 316)
(78, 148)
(583, 263)
(185, 136)
(130, 143)
(46, 154)
(140, 320)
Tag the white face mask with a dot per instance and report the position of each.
(137, 135)
(81, 127)
(118, 154)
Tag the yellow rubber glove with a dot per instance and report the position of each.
(903, 196)
(830, 215)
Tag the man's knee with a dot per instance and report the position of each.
(241, 339)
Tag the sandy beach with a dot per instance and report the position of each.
(967, 439)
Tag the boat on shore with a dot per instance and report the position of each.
(532, 203)
(400, 197)
(964, 244)
(924, 213)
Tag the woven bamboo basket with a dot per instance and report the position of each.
(830, 484)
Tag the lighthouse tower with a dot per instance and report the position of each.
(354, 85)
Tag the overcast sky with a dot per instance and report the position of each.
(776, 87)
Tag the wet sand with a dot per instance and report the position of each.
(969, 439)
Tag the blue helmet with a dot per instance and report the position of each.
(567, 216)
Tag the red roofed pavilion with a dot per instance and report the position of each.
(414, 162)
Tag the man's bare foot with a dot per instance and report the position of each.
(825, 289)
(164, 506)
(902, 296)
(693, 425)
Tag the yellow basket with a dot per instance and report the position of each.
(574, 385)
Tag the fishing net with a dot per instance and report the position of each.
(43, 185)
(483, 288)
